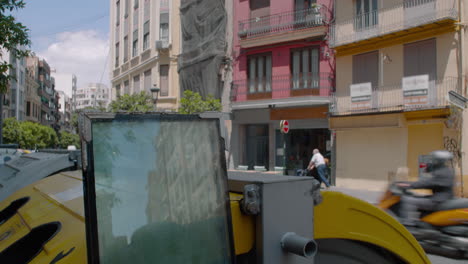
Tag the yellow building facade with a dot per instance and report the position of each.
(396, 63)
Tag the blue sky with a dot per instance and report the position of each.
(72, 35)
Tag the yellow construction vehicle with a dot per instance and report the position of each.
(204, 215)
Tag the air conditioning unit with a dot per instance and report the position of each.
(162, 45)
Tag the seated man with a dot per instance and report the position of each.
(441, 183)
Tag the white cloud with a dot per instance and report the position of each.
(83, 53)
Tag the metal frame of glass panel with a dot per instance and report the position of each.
(218, 206)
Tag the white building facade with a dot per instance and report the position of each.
(145, 37)
(15, 99)
(65, 111)
(96, 95)
(65, 82)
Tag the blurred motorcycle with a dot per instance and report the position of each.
(442, 231)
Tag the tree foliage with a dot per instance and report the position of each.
(192, 102)
(68, 139)
(140, 102)
(74, 121)
(29, 135)
(11, 131)
(13, 36)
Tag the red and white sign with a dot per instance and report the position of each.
(284, 126)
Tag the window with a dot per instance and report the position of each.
(125, 58)
(126, 87)
(164, 26)
(259, 8)
(305, 68)
(366, 14)
(147, 81)
(28, 108)
(135, 43)
(258, 4)
(164, 31)
(259, 73)
(146, 35)
(147, 10)
(366, 68)
(136, 4)
(127, 4)
(117, 13)
(136, 84)
(164, 79)
(117, 90)
(303, 4)
(420, 58)
(13, 96)
(117, 46)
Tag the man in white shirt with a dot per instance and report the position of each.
(318, 162)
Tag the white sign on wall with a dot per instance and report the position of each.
(416, 85)
(361, 92)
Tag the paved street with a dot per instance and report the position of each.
(373, 197)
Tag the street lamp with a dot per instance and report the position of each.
(154, 93)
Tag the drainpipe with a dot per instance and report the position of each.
(461, 35)
(461, 41)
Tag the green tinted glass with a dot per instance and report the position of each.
(161, 191)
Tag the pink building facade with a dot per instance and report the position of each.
(283, 70)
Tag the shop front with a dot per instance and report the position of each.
(258, 144)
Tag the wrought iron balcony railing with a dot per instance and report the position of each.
(283, 22)
(393, 98)
(408, 14)
(282, 86)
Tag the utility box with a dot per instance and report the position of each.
(285, 205)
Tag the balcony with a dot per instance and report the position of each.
(399, 21)
(282, 90)
(395, 98)
(281, 27)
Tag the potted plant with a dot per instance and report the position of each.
(316, 16)
(291, 168)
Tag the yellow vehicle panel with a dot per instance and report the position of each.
(59, 198)
(68, 245)
(446, 218)
(345, 217)
(243, 226)
(14, 230)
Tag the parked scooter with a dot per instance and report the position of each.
(443, 231)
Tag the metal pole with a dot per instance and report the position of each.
(1, 118)
(284, 153)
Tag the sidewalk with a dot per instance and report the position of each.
(370, 196)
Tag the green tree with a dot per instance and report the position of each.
(192, 102)
(48, 136)
(35, 135)
(140, 102)
(67, 139)
(29, 135)
(12, 131)
(74, 121)
(13, 35)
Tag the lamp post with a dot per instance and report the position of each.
(154, 93)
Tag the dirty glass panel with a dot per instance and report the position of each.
(160, 192)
